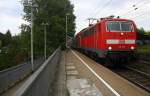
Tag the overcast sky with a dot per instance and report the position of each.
(101, 8)
(11, 12)
(10, 16)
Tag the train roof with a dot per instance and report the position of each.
(116, 19)
(103, 20)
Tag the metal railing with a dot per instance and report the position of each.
(39, 83)
(11, 76)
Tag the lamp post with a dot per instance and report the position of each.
(66, 36)
(45, 39)
(67, 27)
(32, 25)
(33, 5)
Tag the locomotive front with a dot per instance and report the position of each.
(119, 38)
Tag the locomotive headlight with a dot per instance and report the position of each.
(109, 48)
(132, 47)
(122, 33)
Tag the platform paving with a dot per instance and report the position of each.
(76, 85)
(82, 87)
(122, 86)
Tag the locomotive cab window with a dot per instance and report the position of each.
(126, 26)
(119, 26)
(113, 26)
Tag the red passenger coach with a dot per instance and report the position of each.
(110, 38)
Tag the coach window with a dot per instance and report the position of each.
(99, 28)
(84, 33)
(88, 33)
(92, 31)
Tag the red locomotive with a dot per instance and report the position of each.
(111, 38)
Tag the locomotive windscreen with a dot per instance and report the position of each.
(117, 26)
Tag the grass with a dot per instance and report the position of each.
(144, 49)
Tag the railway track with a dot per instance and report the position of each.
(135, 76)
(145, 58)
(142, 65)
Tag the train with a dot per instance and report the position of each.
(112, 39)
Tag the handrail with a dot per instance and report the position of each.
(38, 79)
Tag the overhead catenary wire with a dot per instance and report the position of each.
(95, 9)
(103, 7)
(142, 4)
(82, 25)
(137, 2)
(140, 15)
(135, 7)
(128, 9)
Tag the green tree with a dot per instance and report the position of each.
(143, 35)
(1, 39)
(7, 38)
(54, 13)
(140, 33)
(0, 43)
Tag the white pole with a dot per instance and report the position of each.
(32, 25)
(66, 29)
(45, 39)
(45, 42)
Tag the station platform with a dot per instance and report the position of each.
(79, 75)
(107, 82)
